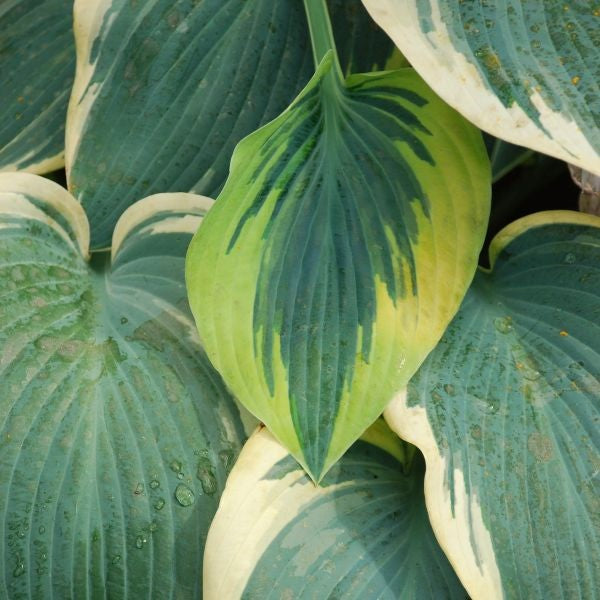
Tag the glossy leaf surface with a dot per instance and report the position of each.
(527, 72)
(165, 90)
(116, 434)
(506, 410)
(38, 64)
(337, 253)
(363, 534)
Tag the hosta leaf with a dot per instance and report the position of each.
(38, 64)
(505, 157)
(337, 253)
(527, 72)
(115, 432)
(363, 534)
(165, 90)
(507, 410)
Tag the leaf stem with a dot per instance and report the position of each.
(321, 33)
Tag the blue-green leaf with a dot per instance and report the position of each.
(364, 534)
(527, 72)
(507, 412)
(116, 435)
(165, 90)
(38, 64)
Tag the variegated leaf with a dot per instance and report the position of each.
(38, 63)
(337, 253)
(525, 71)
(364, 534)
(116, 434)
(506, 410)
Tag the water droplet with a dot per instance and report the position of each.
(42, 529)
(487, 406)
(227, 458)
(184, 495)
(529, 369)
(503, 324)
(153, 527)
(179, 475)
(116, 559)
(570, 258)
(154, 484)
(207, 480)
(139, 489)
(19, 570)
(531, 374)
(139, 542)
(124, 320)
(175, 466)
(159, 504)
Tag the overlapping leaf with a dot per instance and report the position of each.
(505, 157)
(337, 253)
(363, 534)
(165, 90)
(527, 72)
(116, 434)
(37, 54)
(507, 411)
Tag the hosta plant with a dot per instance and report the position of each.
(309, 389)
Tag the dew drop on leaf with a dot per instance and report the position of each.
(184, 495)
(207, 480)
(503, 324)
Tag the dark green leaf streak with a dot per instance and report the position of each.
(319, 183)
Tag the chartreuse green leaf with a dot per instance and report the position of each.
(527, 72)
(506, 410)
(116, 434)
(337, 253)
(38, 63)
(166, 88)
(364, 533)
